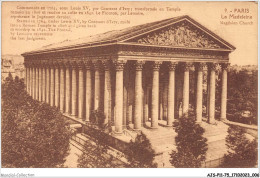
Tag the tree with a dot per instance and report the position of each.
(242, 95)
(191, 145)
(140, 153)
(242, 153)
(33, 133)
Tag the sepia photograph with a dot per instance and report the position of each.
(129, 85)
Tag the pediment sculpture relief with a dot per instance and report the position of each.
(183, 35)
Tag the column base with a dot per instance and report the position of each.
(131, 126)
(153, 127)
(114, 133)
(168, 125)
(213, 122)
(223, 119)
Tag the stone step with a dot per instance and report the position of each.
(216, 150)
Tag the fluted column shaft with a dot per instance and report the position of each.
(97, 87)
(57, 86)
(107, 96)
(199, 95)
(62, 88)
(52, 86)
(48, 85)
(81, 92)
(186, 79)
(138, 95)
(31, 81)
(37, 83)
(73, 89)
(119, 96)
(223, 112)
(88, 90)
(43, 84)
(171, 93)
(68, 91)
(28, 79)
(212, 91)
(40, 83)
(34, 82)
(155, 95)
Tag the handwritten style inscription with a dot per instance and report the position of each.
(183, 35)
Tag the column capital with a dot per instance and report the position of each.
(172, 66)
(224, 66)
(119, 64)
(56, 65)
(26, 64)
(156, 65)
(187, 66)
(97, 65)
(51, 64)
(139, 65)
(33, 64)
(80, 65)
(42, 64)
(66, 64)
(212, 66)
(61, 64)
(74, 65)
(88, 64)
(200, 66)
(106, 64)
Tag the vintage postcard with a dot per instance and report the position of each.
(129, 85)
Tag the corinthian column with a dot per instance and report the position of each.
(28, 78)
(52, 86)
(199, 95)
(68, 91)
(31, 80)
(81, 91)
(88, 89)
(186, 80)
(43, 83)
(107, 92)
(40, 82)
(57, 85)
(34, 81)
(62, 87)
(155, 94)
(171, 93)
(223, 112)
(73, 89)
(47, 84)
(97, 86)
(212, 91)
(37, 82)
(119, 96)
(138, 94)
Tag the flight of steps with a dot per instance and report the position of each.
(163, 142)
(216, 135)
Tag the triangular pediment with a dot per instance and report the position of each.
(181, 34)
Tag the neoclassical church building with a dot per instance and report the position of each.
(136, 76)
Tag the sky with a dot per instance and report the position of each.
(209, 14)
